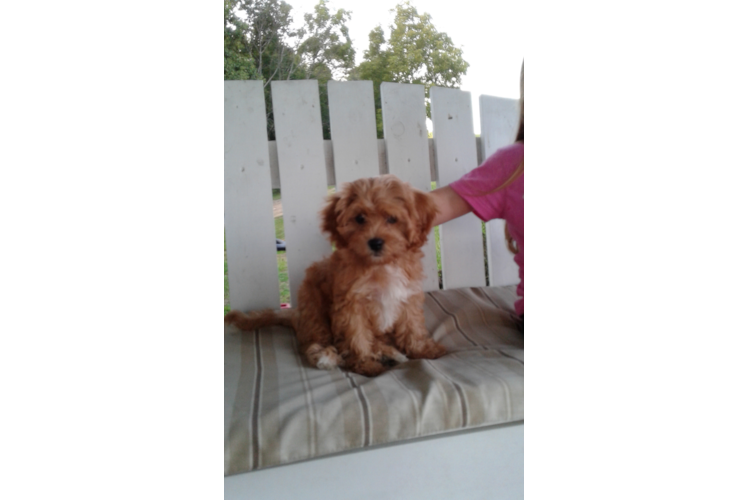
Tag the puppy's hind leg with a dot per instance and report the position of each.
(313, 328)
(315, 341)
(367, 366)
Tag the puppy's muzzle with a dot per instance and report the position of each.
(376, 245)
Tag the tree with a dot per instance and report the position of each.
(272, 41)
(237, 60)
(263, 35)
(327, 51)
(415, 53)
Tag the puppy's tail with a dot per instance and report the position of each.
(260, 319)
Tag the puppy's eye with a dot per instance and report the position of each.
(391, 220)
(360, 219)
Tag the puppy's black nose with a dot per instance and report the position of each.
(376, 244)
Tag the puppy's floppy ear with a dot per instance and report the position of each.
(423, 214)
(330, 219)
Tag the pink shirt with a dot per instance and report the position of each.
(507, 204)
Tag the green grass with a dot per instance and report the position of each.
(438, 246)
(285, 292)
(437, 240)
(280, 233)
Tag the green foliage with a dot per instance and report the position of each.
(237, 60)
(326, 50)
(415, 53)
(272, 41)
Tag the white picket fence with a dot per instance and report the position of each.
(302, 164)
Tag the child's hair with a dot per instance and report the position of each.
(521, 130)
(510, 243)
(520, 137)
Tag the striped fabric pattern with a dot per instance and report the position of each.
(278, 409)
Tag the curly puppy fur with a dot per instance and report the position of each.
(361, 308)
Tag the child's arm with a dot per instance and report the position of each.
(449, 204)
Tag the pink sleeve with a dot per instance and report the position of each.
(474, 186)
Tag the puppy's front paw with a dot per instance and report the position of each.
(391, 356)
(439, 350)
(430, 350)
(368, 367)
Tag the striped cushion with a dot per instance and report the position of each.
(280, 410)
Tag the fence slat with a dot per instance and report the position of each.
(456, 155)
(301, 161)
(499, 119)
(407, 139)
(329, 160)
(248, 202)
(353, 128)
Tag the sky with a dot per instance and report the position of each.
(487, 32)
